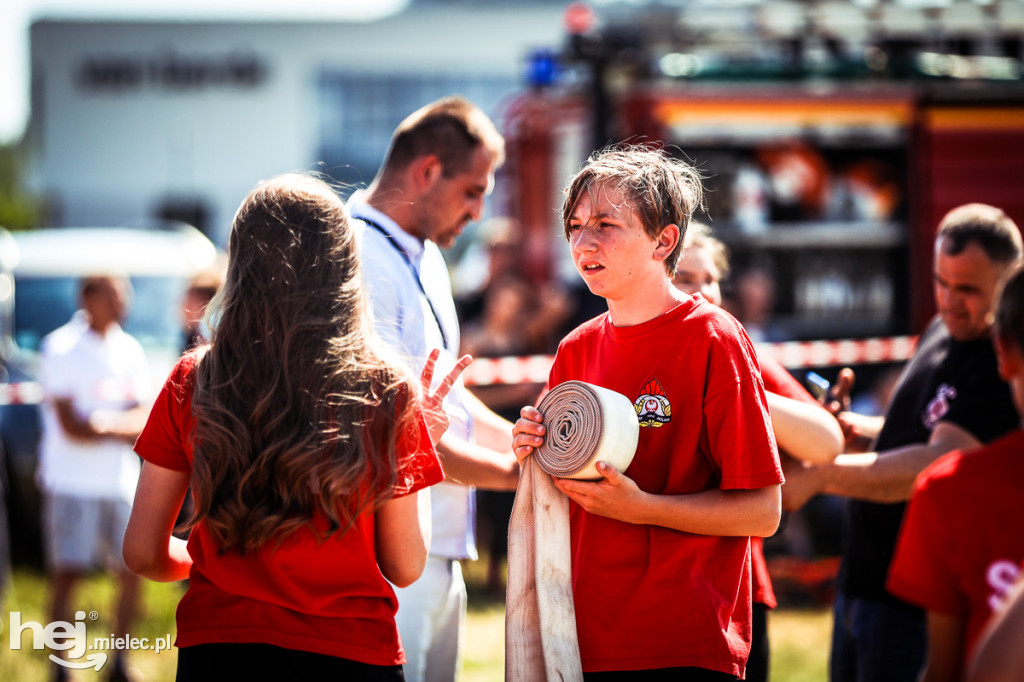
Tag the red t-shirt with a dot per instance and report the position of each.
(962, 541)
(651, 597)
(322, 596)
(779, 381)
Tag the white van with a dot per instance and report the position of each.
(160, 263)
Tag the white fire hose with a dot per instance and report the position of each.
(585, 424)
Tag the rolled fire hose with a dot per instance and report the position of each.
(585, 424)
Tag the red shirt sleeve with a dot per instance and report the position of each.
(920, 572)
(165, 439)
(418, 465)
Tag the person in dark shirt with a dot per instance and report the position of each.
(949, 397)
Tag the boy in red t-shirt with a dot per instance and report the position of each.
(961, 544)
(661, 552)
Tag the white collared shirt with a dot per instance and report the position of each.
(97, 373)
(403, 318)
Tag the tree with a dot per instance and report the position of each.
(18, 209)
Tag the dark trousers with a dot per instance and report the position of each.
(875, 641)
(760, 652)
(219, 662)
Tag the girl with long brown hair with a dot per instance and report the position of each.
(308, 451)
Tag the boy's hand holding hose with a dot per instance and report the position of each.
(528, 433)
(595, 437)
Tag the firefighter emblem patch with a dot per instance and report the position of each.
(652, 407)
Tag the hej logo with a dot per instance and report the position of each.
(58, 636)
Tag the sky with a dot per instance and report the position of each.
(17, 15)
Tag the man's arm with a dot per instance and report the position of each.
(860, 431)
(489, 429)
(872, 476)
(125, 425)
(488, 463)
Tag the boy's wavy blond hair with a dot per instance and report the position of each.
(661, 190)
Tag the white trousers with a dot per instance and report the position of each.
(431, 620)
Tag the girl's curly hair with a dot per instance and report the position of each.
(296, 409)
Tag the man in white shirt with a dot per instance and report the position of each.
(96, 382)
(439, 167)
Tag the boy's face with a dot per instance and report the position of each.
(609, 247)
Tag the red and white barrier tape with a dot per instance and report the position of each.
(791, 354)
(21, 393)
(800, 354)
(533, 369)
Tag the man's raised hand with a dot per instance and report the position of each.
(433, 410)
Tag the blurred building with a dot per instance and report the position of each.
(827, 129)
(145, 120)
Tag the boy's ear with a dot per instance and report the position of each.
(1011, 362)
(666, 241)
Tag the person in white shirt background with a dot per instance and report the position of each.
(437, 172)
(98, 389)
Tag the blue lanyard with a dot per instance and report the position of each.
(415, 275)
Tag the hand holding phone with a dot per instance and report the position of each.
(836, 398)
(819, 386)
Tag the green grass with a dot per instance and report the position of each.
(800, 642)
(799, 637)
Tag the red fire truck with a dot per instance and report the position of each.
(829, 156)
